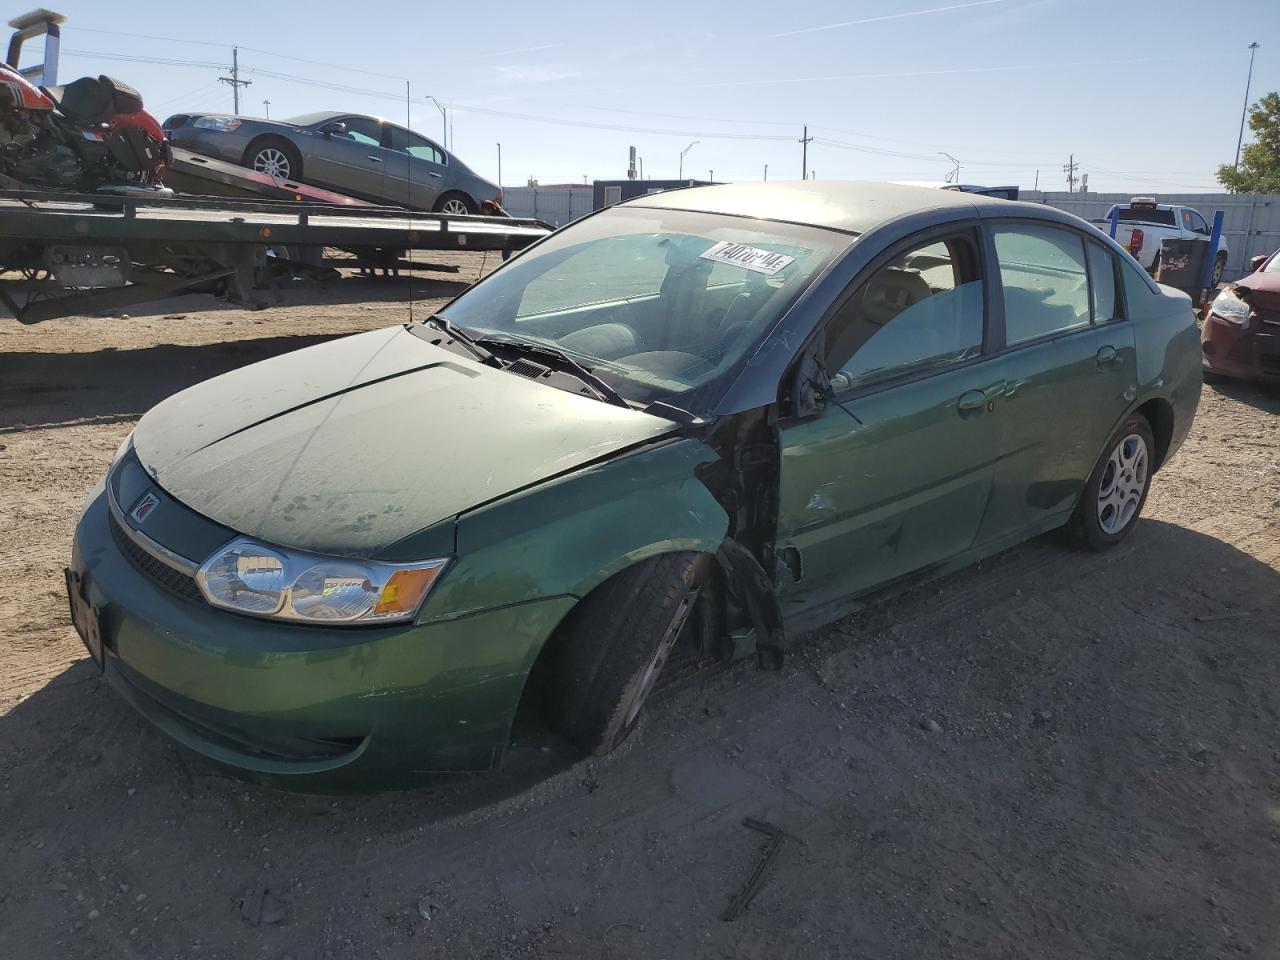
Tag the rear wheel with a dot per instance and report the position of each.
(1219, 264)
(277, 158)
(615, 644)
(1117, 489)
(455, 204)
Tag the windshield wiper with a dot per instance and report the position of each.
(573, 366)
(457, 333)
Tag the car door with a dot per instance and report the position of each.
(892, 477)
(416, 170)
(1068, 363)
(353, 162)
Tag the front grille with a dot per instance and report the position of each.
(179, 584)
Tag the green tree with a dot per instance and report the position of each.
(1259, 161)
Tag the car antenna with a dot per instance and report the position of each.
(409, 199)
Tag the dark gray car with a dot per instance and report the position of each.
(360, 156)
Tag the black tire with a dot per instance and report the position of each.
(1091, 526)
(613, 646)
(262, 145)
(1219, 265)
(455, 195)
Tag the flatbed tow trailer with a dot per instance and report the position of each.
(83, 253)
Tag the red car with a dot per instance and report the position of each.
(1241, 332)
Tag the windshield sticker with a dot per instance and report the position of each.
(749, 258)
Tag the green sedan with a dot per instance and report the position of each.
(698, 420)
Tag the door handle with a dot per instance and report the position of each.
(432, 173)
(1107, 356)
(374, 159)
(972, 403)
(1012, 387)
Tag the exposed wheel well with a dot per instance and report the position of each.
(1159, 414)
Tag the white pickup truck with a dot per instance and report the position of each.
(1144, 225)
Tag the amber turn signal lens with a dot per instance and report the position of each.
(403, 593)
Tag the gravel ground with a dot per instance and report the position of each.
(1052, 754)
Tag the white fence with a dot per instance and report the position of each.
(556, 205)
(1251, 224)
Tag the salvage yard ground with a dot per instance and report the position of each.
(1054, 754)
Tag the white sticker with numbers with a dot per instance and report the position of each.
(749, 258)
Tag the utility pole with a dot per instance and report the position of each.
(266, 109)
(499, 168)
(1070, 171)
(805, 140)
(1037, 186)
(1253, 49)
(234, 79)
(766, 172)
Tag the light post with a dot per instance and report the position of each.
(499, 168)
(444, 121)
(954, 175)
(680, 175)
(1253, 49)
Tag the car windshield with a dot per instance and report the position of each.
(308, 119)
(663, 305)
(1272, 265)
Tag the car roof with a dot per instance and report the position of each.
(852, 206)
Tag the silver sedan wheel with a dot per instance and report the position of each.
(455, 207)
(1124, 480)
(273, 163)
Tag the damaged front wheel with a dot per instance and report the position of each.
(615, 644)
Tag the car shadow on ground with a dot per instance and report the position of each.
(1261, 395)
(47, 389)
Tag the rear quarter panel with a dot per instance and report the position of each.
(1168, 346)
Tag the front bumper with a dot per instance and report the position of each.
(312, 707)
(1251, 353)
(228, 147)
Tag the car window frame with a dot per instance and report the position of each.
(382, 126)
(968, 229)
(996, 282)
(388, 126)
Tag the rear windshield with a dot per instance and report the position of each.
(1144, 215)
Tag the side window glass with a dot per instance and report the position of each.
(1198, 223)
(920, 311)
(1102, 274)
(1046, 283)
(364, 131)
(406, 141)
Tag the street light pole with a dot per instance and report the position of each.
(444, 122)
(954, 175)
(680, 175)
(1253, 49)
(499, 168)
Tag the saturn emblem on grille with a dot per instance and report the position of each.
(142, 509)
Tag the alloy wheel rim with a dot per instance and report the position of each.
(1217, 271)
(1124, 480)
(455, 208)
(273, 163)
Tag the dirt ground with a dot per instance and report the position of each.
(1051, 755)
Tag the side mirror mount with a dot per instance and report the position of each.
(332, 127)
(811, 391)
(1256, 263)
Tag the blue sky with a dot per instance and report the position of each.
(1146, 94)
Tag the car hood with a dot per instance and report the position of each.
(352, 445)
(1264, 290)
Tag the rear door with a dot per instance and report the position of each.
(416, 168)
(893, 477)
(1069, 366)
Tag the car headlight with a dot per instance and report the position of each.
(1227, 306)
(250, 577)
(121, 450)
(225, 124)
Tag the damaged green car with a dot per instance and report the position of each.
(703, 418)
